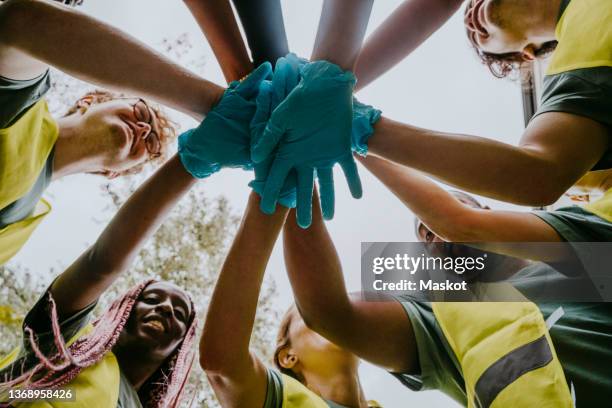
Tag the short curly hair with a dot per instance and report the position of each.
(168, 128)
(504, 65)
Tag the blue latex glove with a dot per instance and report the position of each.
(311, 131)
(271, 94)
(223, 138)
(364, 119)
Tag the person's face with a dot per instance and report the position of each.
(313, 352)
(498, 27)
(160, 318)
(124, 133)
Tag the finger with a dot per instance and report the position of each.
(262, 112)
(352, 176)
(249, 87)
(305, 184)
(326, 191)
(274, 183)
(266, 144)
(279, 81)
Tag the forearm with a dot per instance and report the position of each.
(413, 22)
(231, 313)
(476, 164)
(315, 272)
(433, 205)
(217, 22)
(98, 53)
(264, 29)
(120, 242)
(341, 30)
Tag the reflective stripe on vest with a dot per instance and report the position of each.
(505, 352)
(95, 387)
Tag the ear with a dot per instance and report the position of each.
(84, 103)
(287, 358)
(529, 53)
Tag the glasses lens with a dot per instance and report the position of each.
(153, 145)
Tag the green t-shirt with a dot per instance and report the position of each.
(585, 92)
(16, 98)
(582, 337)
(38, 320)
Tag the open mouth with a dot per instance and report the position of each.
(156, 325)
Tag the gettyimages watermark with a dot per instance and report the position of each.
(539, 272)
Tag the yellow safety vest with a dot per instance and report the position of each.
(296, 395)
(602, 207)
(24, 149)
(506, 354)
(584, 32)
(95, 387)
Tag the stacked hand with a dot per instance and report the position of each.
(296, 126)
(223, 138)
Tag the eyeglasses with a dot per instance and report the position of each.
(143, 113)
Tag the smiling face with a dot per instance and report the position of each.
(159, 320)
(123, 133)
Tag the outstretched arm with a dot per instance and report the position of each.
(401, 33)
(348, 321)
(264, 28)
(237, 376)
(217, 22)
(114, 251)
(34, 33)
(554, 152)
(341, 30)
(449, 218)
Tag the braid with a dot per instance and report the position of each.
(160, 390)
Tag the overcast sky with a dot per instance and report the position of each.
(440, 86)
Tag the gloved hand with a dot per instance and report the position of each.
(223, 138)
(271, 94)
(364, 118)
(312, 128)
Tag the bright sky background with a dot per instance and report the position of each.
(440, 86)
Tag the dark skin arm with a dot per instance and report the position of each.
(98, 267)
(350, 322)
(238, 377)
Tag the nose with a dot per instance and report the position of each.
(142, 129)
(164, 308)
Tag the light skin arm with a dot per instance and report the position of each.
(413, 22)
(341, 30)
(38, 33)
(454, 221)
(118, 245)
(217, 22)
(237, 376)
(555, 150)
(348, 321)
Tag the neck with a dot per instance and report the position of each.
(71, 155)
(135, 365)
(342, 387)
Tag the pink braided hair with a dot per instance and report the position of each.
(163, 389)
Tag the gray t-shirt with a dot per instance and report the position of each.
(38, 320)
(582, 337)
(16, 98)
